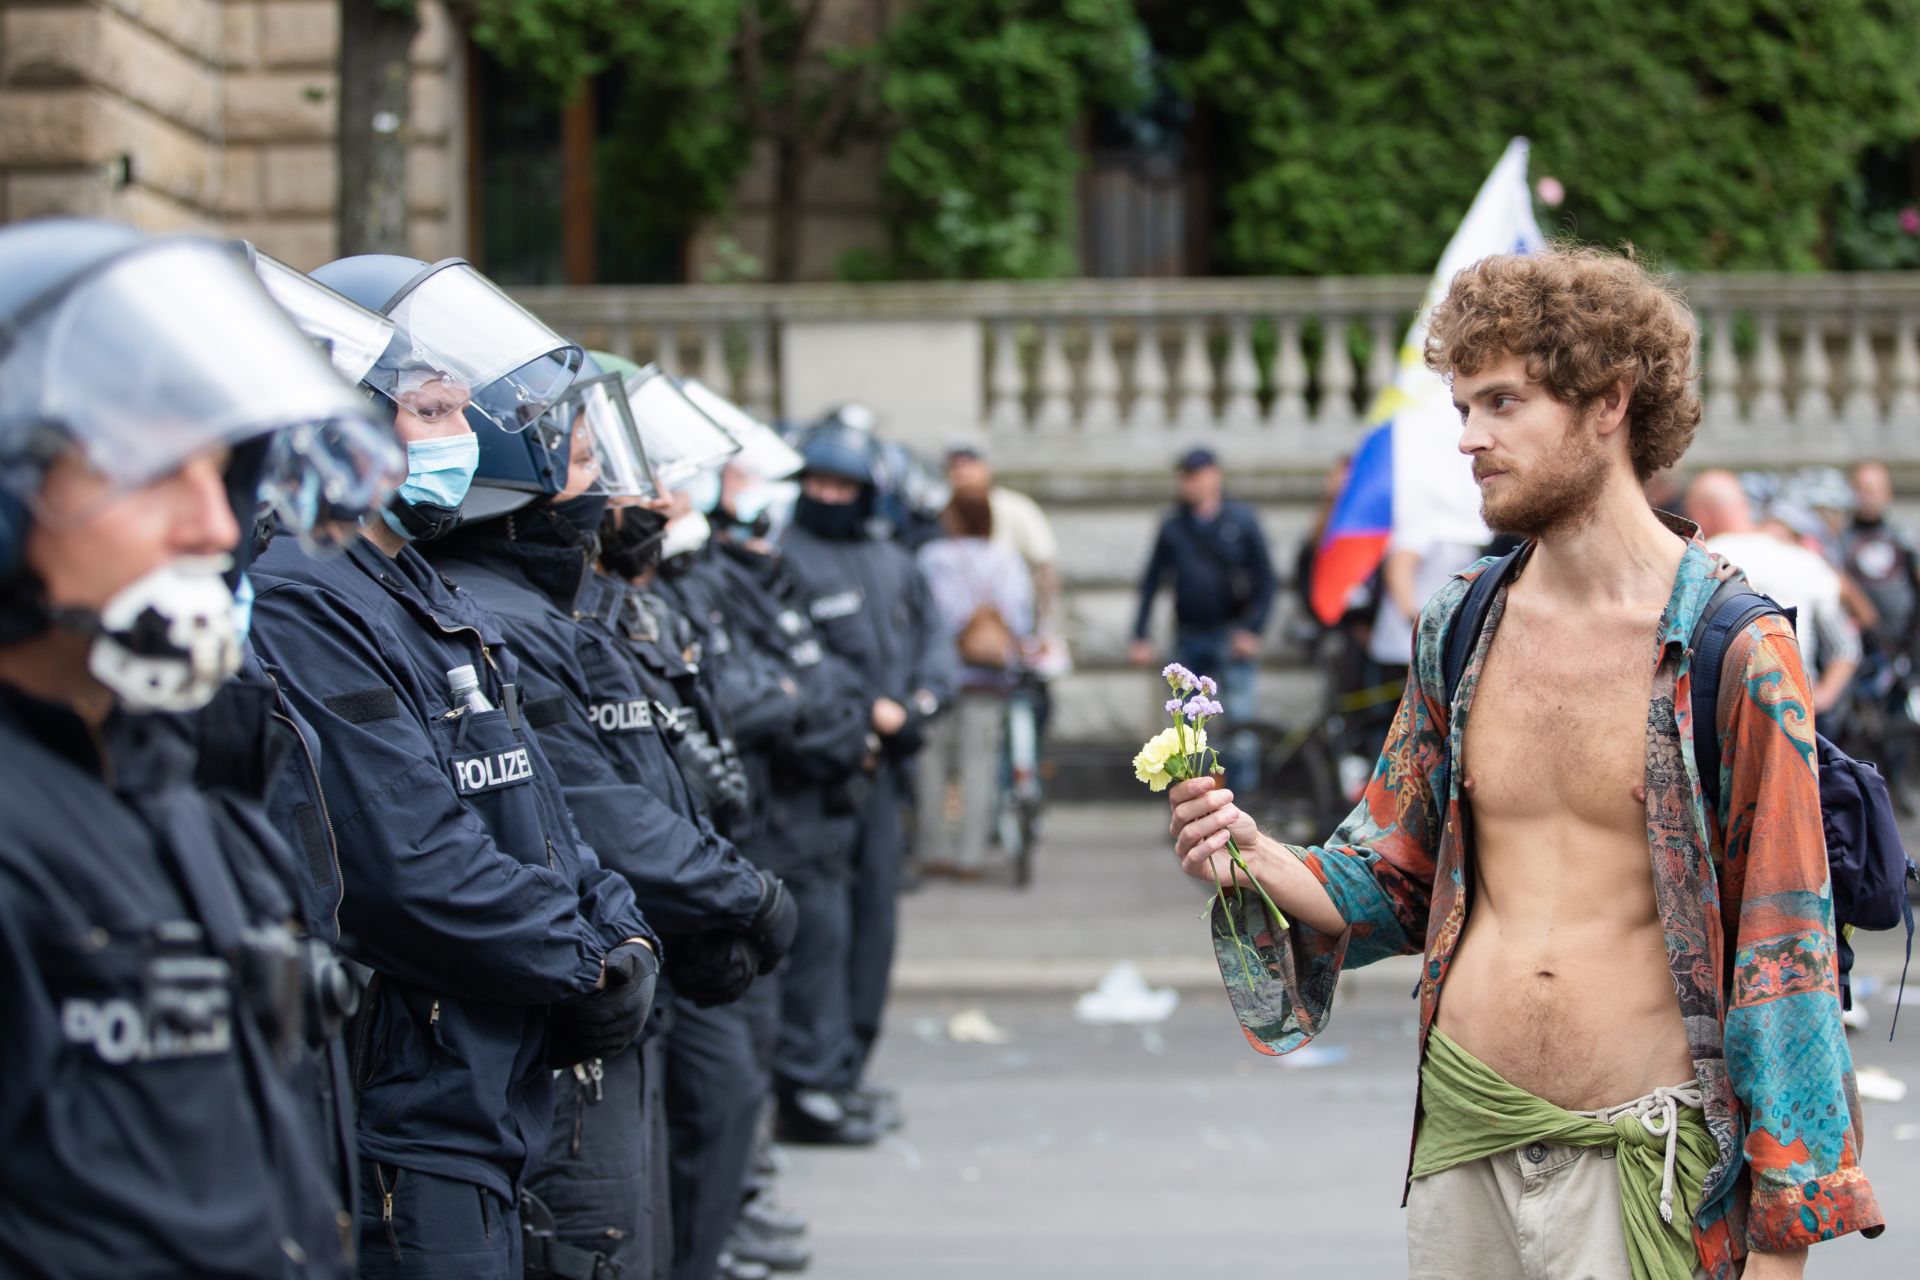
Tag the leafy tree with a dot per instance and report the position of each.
(982, 99)
(698, 83)
(1712, 133)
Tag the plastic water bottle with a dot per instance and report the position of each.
(465, 683)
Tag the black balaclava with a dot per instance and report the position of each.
(578, 518)
(839, 521)
(631, 547)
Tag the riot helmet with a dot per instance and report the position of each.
(835, 452)
(131, 357)
(458, 343)
(331, 475)
(586, 445)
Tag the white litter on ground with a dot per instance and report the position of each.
(1123, 997)
(973, 1026)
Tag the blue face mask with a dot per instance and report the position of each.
(439, 472)
(703, 491)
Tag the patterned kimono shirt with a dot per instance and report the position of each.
(1742, 894)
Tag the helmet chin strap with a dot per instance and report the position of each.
(167, 640)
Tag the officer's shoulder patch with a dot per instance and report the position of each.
(365, 706)
(840, 604)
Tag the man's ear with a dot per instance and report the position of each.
(1610, 408)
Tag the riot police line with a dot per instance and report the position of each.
(443, 834)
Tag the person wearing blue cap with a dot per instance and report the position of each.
(1215, 552)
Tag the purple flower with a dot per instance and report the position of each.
(1910, 220)
(1179, 677)
(1174, 706)
(1199, 708)
(1206, 685)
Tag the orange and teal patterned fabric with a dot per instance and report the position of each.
(1742, 893)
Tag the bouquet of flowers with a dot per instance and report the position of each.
(1181, 752)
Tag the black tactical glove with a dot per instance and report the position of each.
(715, 781)
(775, 924)
(718, 965)
(602, 1022)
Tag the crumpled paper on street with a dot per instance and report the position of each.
(1123, 997)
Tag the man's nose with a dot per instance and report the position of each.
(1473, 437)
(204, 523)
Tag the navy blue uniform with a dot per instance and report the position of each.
(261, 761)
(466, 889)
(609, 735)
(146, 1124)
(715, 1086)
(868, 601)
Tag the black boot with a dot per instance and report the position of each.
(812, 1117)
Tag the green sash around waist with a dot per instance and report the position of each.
(1664, 1149)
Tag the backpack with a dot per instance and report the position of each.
(1867, 863)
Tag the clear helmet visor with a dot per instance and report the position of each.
(763, 454)
(597, 413)
(352, 336)
(160, 354)
(456, 326)
(680, 440)
(322, 478)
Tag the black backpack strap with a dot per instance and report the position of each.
(1463, 632)
(1733, 605)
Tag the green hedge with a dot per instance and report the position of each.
(1712, 133)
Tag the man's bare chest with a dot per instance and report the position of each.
(1558, 721)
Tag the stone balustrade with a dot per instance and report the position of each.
(1113, 376)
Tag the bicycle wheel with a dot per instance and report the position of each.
(1020, 798)
(1299, 786)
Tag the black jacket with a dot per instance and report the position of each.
(606, 732)
(147, 1127)
(866, 598)
(466, 886)
(1222, 575)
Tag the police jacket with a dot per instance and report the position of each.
(147, 1127)
(260, 761)
(466, 887)
(868, 601)
(754, 696)
(606, 732)
(814, 778)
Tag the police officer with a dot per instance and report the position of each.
(257, 755)
(500, 948)
(804, 756)
(614, 747)
(714, 1085)
(152, 986)
(865, 594)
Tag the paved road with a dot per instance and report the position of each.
(1172, 1151)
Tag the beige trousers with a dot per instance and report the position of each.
(1542, 1212)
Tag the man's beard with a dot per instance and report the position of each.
(1560, 493)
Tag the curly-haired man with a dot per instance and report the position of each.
(1638, 1066)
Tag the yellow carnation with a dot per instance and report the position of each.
(1163, 760)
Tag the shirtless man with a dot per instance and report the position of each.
(1613, 972)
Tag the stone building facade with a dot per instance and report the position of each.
(212, 115)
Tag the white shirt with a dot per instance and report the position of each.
(1800, 580)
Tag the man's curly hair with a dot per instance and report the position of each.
(1585, 320)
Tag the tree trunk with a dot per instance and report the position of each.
(375, 102)
(790, 159)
